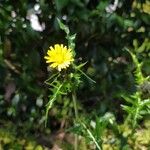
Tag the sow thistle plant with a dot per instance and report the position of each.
(65, 75)
(138, 104)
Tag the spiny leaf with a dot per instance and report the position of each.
(145, 102)
(127, 108)
(50, 103)
(91, 136)
(63, 27)
(86, 75)
(139, 78)
(127, 98)
(80, 66)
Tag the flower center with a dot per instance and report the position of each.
(61, 59)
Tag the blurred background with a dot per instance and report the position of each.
(103, 28)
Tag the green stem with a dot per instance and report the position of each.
(76, 118)
(74, 98)
(91, 135)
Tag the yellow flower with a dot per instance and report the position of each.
(59, 57)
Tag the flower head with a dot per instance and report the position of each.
(59, 57)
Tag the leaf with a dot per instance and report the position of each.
(63, 27)
(80, 66)
(69, 37)
(145, 102)
(144, 112)
(85, 75)
(71, 43)
(127, 108)
(91, 135)
(128, 99)
(51, 101)
(139, 78)
(72, 37)
(54, 77)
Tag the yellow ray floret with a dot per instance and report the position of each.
(59, 57)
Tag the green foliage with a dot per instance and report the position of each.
(103, 29)
(65, 82)
(70, 38)
(98, 129)
(137, 105)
